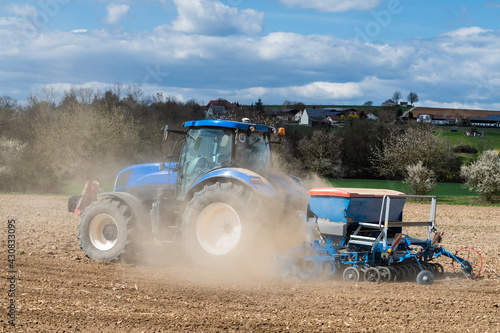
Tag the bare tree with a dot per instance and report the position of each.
(412, 98)
(7, 102)
(321, 153)
(396, 97)
(80, 141)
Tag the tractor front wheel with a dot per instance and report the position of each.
(104, 229)
(219, 225)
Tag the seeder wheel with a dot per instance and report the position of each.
(351, 274)
(385, 273)
(437, 268)
(327, 270)
(372, 275)
(470, 268)
(394, 273)
(425, 277)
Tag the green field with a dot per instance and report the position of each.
(449, 193)
(491, 139)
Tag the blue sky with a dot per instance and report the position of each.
(333, 52)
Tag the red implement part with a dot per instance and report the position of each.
(88, 196)
(471, 255)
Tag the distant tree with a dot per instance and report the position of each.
(405, 148)
(420, 179)
(396, 97)
(81, 141)
(321, 153)
(483, 175)
(299, 106)
(195, 108)
(399, 113)
(293, 105)
(11, 152)
(7, 102)
(222, 102)
(135, 92)
(368, 103)
(259, 106)
(110, 99)
(412, 98)
(358, 144)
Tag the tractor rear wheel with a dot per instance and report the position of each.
(219, 225)
(104, 230)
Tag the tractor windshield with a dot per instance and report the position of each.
(205, 149)
(253, 151)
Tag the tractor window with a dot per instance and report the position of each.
(253, 152)
(205, 149)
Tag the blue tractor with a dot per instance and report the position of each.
(216, 200)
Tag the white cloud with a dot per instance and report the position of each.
(116, 12)
(467, 32)
(209, 17)
(327, 91)
(22, 10)
(462, 66)
(332, 5)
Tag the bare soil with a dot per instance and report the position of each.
(59, 290)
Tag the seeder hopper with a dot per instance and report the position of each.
(360, 234)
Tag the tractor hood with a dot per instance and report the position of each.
(288, 189)
(146, 174)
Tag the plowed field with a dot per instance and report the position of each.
(57, 289)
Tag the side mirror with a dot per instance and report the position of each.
(165, 133)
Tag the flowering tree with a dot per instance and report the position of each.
(420, 179)
(417, 144)
(483, 175)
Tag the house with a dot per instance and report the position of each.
(371, 116)
(492, 120)
(215, 111)
(288, 115)
(322, 117)
(424, 118)
(462, 116)
(444, 120)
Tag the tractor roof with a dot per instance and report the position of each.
(228, 124)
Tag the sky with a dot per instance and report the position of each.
(324, 52)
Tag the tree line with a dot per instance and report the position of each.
(89, 134)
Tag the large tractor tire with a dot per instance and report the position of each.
(105, 229)
(219, 226)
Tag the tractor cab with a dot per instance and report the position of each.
(216, 144)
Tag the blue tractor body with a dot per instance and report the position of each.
(220, 162)
(144, 180)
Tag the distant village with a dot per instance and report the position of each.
(337, 116)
